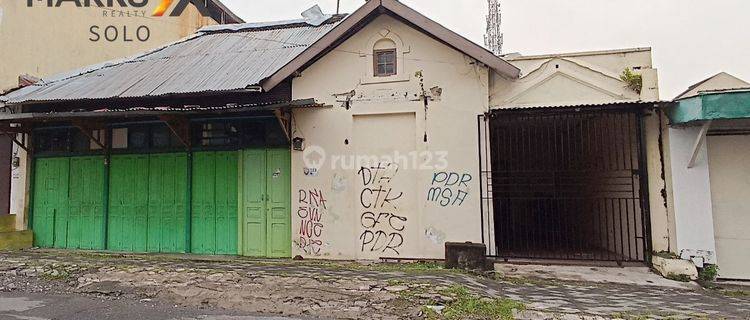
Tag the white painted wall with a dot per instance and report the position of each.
(730, 196)
(575, 79)
(694, 225)
(387, 116)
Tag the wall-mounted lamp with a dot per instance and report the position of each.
(298, 144)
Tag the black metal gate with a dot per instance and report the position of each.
(565, 184)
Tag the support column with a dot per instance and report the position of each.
(694, 226)
(6, 153)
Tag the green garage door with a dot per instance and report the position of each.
(128, 203)
(86, 196)
(148, 203)
(69, 203)
(167, 203)
(50, 208)
(214, 207)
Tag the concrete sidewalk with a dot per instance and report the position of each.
(637, 276)
(342, 289)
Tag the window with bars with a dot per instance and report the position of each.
(384, 62)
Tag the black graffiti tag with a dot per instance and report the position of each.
(449, 189)
(312, 205)
(382, 225)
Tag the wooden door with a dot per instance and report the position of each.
(266, 194)
(254, 204)
(278, 203)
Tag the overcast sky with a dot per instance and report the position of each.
(691, 39)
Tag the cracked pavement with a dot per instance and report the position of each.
(236, 286)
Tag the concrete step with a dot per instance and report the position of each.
(16, 240)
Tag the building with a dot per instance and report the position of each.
(708, 148)
(39, 41)
(574, 170)
(373, 135)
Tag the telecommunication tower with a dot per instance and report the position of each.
(493, 39)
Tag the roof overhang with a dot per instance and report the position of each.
(362, 16)
(619, 104)
(710, 106)
(6, 119)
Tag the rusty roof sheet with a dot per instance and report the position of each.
(212, 60)
(159, 110)
(576, 105)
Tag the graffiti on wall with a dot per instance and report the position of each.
(383, 224)
(449, 189)
(311, 208)
(435, 236)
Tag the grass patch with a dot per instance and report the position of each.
(396, 282)
(629, 316)
(678, 277)
(416, 266)
(735, 293)
(55, 275)
(648, 316)
(666, 255)
(469, 306)
(708, 273)
(412, 267)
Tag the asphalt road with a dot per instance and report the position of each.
(15, 306)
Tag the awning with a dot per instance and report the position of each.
(177, 118)
(544, 107)
(707, 106)
(155, 111)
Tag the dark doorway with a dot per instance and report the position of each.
(6, 152)
(567, 185)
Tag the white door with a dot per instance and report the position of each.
(729, 168)
(386, 187)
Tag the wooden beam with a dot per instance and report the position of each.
(88, 130)
(14, 137)
(285, 120)
(180, 126)
(699, 141)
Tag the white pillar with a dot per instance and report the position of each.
(692, 195)
(18, 187)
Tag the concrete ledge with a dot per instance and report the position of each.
(7, 223)
(638, 276)
(675, 267)
(16, 240)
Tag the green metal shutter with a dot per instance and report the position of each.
(167, 203)
(227, 165)
(214, 207)
(86, 213)
(128, 203)
(50, 205)
(203, 206)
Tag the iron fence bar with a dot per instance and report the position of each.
(488, 177)
(481, 179)
(561, 209)
(643, 190)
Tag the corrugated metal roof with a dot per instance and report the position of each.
(158, 111)
(574, 105)
(217, 60)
